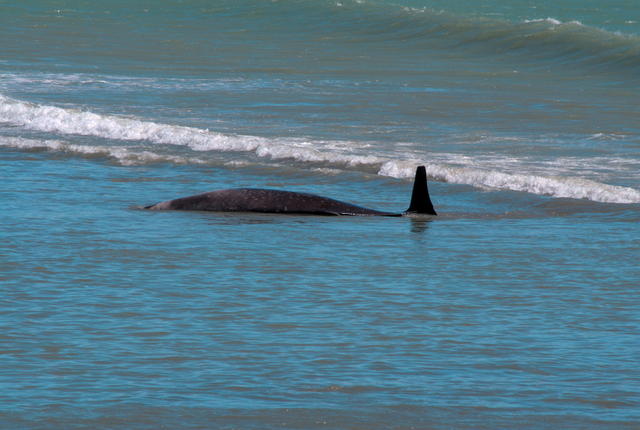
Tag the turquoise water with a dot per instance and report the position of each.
(516, 307)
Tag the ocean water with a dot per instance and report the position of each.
(516, 307)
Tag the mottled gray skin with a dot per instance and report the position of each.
(266, 201)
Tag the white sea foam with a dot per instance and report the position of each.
(120, 155)
(569, 187)
(69, 81)
(72, 121)
(552, 21)
(77, 122)
(465, 170)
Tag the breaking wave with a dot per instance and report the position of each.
(120, 155)
(72, 121)
(561, 187)
(569, 42)
(342, 154)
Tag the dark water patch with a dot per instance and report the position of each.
(545, 39)
(398, 417)
(342, 389)
(585, 208)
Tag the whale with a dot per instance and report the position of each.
(291, 202)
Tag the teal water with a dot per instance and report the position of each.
(515, 308)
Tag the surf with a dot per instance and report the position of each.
(344, 155)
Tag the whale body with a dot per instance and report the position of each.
(289, 202)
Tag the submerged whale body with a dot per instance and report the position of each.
(289, 202)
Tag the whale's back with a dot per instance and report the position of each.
(265, 200)
(291, 202)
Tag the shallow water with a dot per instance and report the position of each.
(516, 307)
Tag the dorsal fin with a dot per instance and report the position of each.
(420, 200)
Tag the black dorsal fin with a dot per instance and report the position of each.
(420, 200)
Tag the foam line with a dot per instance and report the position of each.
(346, 154)
(563, 187)
(121, 155)
(77, 122)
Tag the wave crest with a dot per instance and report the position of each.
(561, 187)
(567, 42)
(120, 155)
(322, 153)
